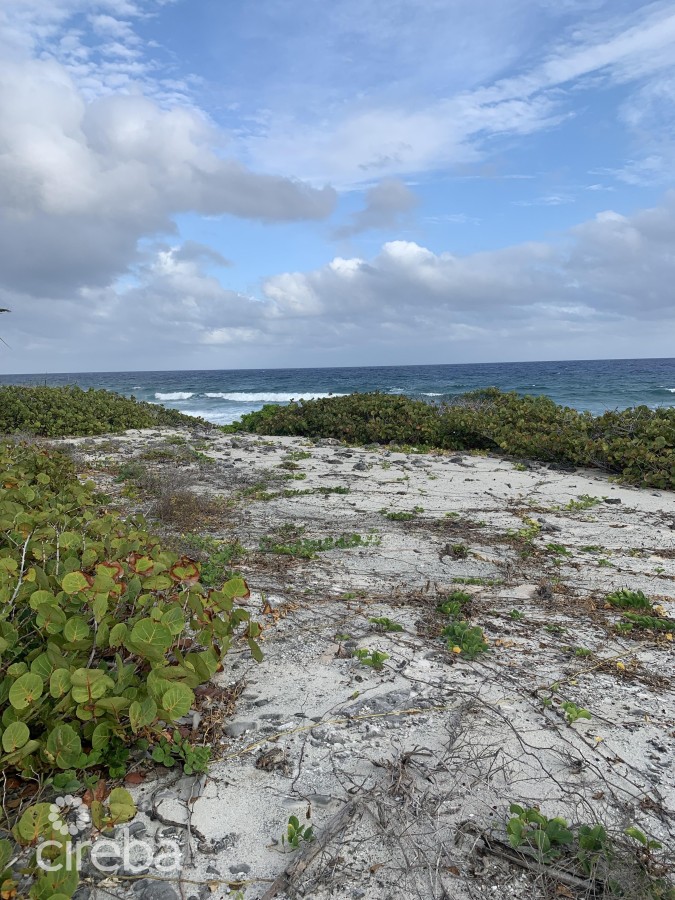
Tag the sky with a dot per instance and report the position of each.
(216, 185)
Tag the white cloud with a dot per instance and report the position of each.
(601, 289)
(425, 127)
(82, 182)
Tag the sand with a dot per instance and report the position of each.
(407, 773)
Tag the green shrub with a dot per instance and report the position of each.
(60, 411)
(103, 634)
(465, 639)
(627, 599)
(638, 444)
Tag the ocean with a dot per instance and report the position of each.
(223, 396)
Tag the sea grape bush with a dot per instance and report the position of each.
(60, 411)
(103, 634)
(638, 444)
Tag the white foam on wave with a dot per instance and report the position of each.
(176, 395)
(218, 417)
(245, 397)
(671, 390)
(431, 394)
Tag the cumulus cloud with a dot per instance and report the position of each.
(612, 269)
(385, 206)
(82, 182)
(602, 284)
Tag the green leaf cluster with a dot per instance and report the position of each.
(72, 411)
(296, 833)
(103, 634)
(638, 443)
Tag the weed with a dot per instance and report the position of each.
(157, 454)
(307, 548)
(589, 849)
(516, 614)
(373, 658)
(574, 712)
(453, 605)
(459, 551)
(465, 639)
(130, 471)
(547, 836)
(584, 501)
(168, 752)
(520, 467)
(296, 455)
(296, 833)
(559, 549)
(582, 652)
(185, 510)
(385, 624)
(652, 623)
(626, 599)
(402, 515)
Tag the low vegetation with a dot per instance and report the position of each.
(637, 444)
(104, 636)
(71, 411)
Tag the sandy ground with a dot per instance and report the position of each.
(407, 773)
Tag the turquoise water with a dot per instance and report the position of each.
(223, 396)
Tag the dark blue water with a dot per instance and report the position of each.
(222, 396)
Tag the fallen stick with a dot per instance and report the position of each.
(331, 829)
(525, 861)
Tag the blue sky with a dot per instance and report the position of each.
(215, 185)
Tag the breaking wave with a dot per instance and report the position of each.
(176, 395)
(245, 397)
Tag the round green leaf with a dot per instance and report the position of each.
(15, 736)
(117, 634)
(74, 582)
(153, 636)
(121, 805)
(64, 746)
(75, 629)
(89, 684)
(176, 702)
(34, 823)
(39, 597)
(42, 666)
(25, 691)
(59, 682)
(50, 617)
(101, 736)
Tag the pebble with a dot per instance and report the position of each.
(240, 868)
(147, 889)
(236, 729)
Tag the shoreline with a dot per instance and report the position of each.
(433, 740)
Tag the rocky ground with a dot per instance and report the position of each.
(406, 769)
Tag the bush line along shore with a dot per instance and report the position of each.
(637, 444)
